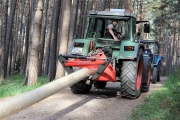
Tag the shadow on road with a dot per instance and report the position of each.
(109, 92)
(69, 109)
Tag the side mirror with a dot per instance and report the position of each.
(146, 28)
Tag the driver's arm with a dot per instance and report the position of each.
(112, 33)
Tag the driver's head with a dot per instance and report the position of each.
(115, 22)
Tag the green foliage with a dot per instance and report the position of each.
(163, 104)
(14, 85)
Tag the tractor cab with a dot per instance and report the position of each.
(99, 21)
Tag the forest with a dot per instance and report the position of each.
(34, 32)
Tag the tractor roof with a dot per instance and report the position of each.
(112, 13)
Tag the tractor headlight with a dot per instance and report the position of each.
(128, 48)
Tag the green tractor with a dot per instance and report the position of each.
(115, 61)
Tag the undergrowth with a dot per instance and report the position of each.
(163, 104)
(14, 85)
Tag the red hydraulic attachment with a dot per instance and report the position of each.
(105, 71)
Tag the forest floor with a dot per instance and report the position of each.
(99, 104)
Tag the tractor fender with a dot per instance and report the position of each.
(156, 59)
(129, 54)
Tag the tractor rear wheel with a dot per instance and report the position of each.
(131, 77)
(147, 77)
(99, 84)
(154, 75)
(159, 72)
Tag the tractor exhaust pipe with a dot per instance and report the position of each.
(25, 100)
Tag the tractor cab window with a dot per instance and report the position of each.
(98, 28)
(121, 30)
(96, 25)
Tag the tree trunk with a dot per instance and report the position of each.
(9, 34)
(15, 42)
(2, 66)
(32, 72)
(83, 9)
(126, 4)
(48, 41)
(64, 36)
(26, 42)
(73, 21)
(10, 56)
(1, 28)
(43, 37)
(78, 19)
(53, 46)
(103, 5)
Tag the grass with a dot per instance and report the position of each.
(13, 85)
(163, 104)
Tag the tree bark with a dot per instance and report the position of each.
(73, 21)
(32, 72)
(2, 66)
(15, 41)
(53, 46)
(78, 19)
(103, 5)
(26, 42)
(49, 34)
(8, 35)
(43, 37)
(83, 9)
(64, 37)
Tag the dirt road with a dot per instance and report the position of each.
(99, 104)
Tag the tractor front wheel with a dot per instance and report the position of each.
(81, 87)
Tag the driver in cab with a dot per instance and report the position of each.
(110, 28)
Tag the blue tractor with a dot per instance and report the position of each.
(155, 76)
(152, 48)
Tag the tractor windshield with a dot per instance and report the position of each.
(98, 27)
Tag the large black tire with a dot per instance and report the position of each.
(159, 72)
(81, 87)
(131, 77)
(147, 77)
(99, 84)
(154, 75)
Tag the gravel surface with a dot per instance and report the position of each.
(99, 104)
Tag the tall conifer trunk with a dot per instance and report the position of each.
(64, 36)
(32, 70)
